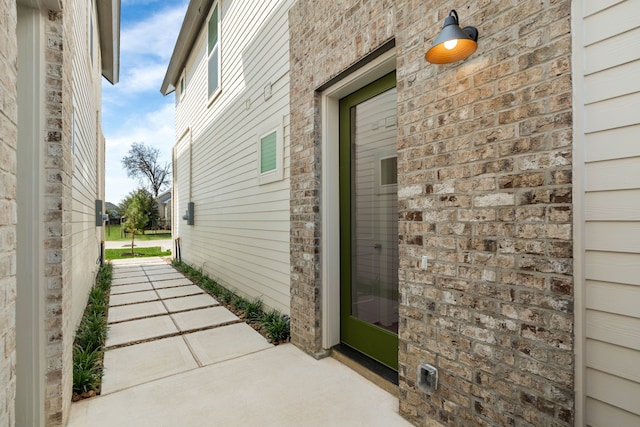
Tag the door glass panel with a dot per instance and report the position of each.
(374, 216)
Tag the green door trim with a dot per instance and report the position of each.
(377, 343)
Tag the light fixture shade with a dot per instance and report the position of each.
(453, 43)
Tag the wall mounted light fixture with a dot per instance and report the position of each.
(453, 43)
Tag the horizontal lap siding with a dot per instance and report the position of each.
(241, 231)
(611, 43)
(85, 237)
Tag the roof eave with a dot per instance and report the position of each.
(54, 5)
(197, 12)
(109, 29)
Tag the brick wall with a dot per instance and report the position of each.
(8, 209)
(57, 219)
(484, 172)
(343, 34)
(485, 192)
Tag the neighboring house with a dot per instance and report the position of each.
(54, 54)
(231, 158)
(481, 217)
(164, 210)
(111, 207)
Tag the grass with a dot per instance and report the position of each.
(125, 253)
(274, 325)
(113, 233)
(88, 346)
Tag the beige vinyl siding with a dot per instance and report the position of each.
(608, 34)
(181, 184)
(241, 231)
(87, 153)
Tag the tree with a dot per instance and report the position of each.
(147, 204)
(141, 162)
(136, 216)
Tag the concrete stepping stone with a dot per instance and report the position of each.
(158, 268)
(189, 303)
(196, 319)
(130, 275)
(129, 280)
(156, 277)
(126, 269)
(226, 342)
(136, 311)
(171, 283)
(139, 330)
(138, 364)
(136, 287)
(180, 291)
(132, 298)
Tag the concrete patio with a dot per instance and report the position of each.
(175, 357)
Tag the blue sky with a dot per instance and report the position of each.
(134, 110)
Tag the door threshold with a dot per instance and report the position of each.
(379, 374)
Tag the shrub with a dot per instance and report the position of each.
(227, 295)
(92, 332)
(277, 329)
(91, 336)
(253, 310)
(239, 303)
(87, 373)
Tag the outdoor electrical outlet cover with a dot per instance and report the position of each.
(427, 378)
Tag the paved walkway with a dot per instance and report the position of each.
(175, 357)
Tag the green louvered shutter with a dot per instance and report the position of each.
(268, 145)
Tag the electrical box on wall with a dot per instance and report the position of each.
(99, 217)
(427, 378)
(188, 215)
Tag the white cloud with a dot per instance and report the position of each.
(143, 78)
(154, 36)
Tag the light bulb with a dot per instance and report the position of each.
(450, 44)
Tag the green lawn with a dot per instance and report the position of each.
(125, 253)
(112, 233)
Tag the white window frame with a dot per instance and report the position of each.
(182, 85)
(211, 96)
(329, 196)
(382, 188)
(91, 35)
(276, 174)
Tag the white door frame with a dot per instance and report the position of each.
(329, 198)
(30, 294)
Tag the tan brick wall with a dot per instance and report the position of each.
(315, 58)
(57, 218)
(8, 209)
(484, 172)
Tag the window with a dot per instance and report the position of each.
(270, 156)
(182, 85)
(387, 174)
(389, 171)
(91, 34)
(213, 51)
(268, 146)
